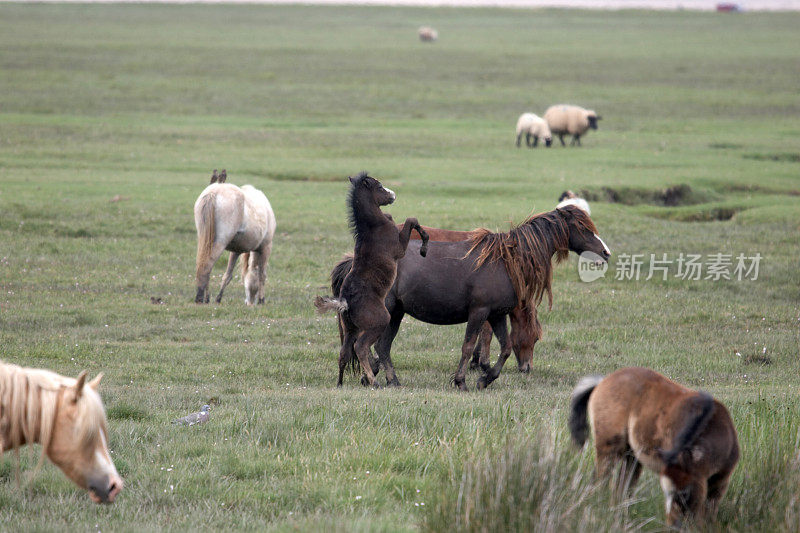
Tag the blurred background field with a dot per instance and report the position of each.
(113, 116)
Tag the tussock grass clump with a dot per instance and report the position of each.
(531, 484)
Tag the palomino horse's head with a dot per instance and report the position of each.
(583, 233)
(365, 186)
(78, 444)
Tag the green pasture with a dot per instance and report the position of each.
(113, 116)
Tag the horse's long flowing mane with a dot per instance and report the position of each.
(29, 405)
(527, 251)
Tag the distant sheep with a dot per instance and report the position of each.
(427, 34)
(570, 198)
(533, 126)
(570, 119)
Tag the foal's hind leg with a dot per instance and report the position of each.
(362, 348)
(384, 345)
(500, 331)
(346, 352)
(228, 275)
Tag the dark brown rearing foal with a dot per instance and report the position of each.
(379, 244)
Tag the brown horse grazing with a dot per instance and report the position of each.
(379, 244)
(483, 279)
(640, 417)
(67, 418)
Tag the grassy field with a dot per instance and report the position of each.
(112, 118)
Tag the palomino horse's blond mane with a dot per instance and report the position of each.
(29, 407)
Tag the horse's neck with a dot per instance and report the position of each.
(367, 217)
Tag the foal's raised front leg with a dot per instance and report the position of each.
(405, 235)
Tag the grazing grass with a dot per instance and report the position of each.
(112, 117)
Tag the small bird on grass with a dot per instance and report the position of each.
(194, 418)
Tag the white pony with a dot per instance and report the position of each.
(240, 220)
(570, 198)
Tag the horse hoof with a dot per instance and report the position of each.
(393, 383)
(482, 382)
(261, 301)
(525, 369)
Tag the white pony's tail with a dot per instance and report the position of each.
(327, 304)
(207, 229)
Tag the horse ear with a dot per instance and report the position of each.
(352, 180)
(78, 388)
(95, 383)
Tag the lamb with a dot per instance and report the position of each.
(570, 119)
(533, 126)
(570, 198)
(427, 34)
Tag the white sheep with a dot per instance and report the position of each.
(427, 34)
(570, 198)
(533, 126)
(570, 119)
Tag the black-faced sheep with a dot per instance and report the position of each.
(532, 125)
(570, 119)
(427, 34)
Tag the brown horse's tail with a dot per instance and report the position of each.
(578, 405)
(698, 410)
(207, 229)
(326, 304)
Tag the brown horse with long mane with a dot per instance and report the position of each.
(64, 415)
(639, 417)
(482, 279)
(379, 244)
(526, 330)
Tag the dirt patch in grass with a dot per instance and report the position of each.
(293, 176)
(783, 157)
(672, 196)
(725, 146)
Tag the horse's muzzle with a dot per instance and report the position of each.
(105, 490)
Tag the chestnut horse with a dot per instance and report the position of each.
(64, 415)
(379, 244)
(240, 220)
(639, 417)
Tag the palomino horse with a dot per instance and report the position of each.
(379, 244)
(241, 221)
(640, 417)
(485, 278)
(64, 415)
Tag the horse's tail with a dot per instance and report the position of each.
(578, 404)
(339, 272)
(206, 229)
(698, 409)
(326, 304)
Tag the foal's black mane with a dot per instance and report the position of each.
(354, 218)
